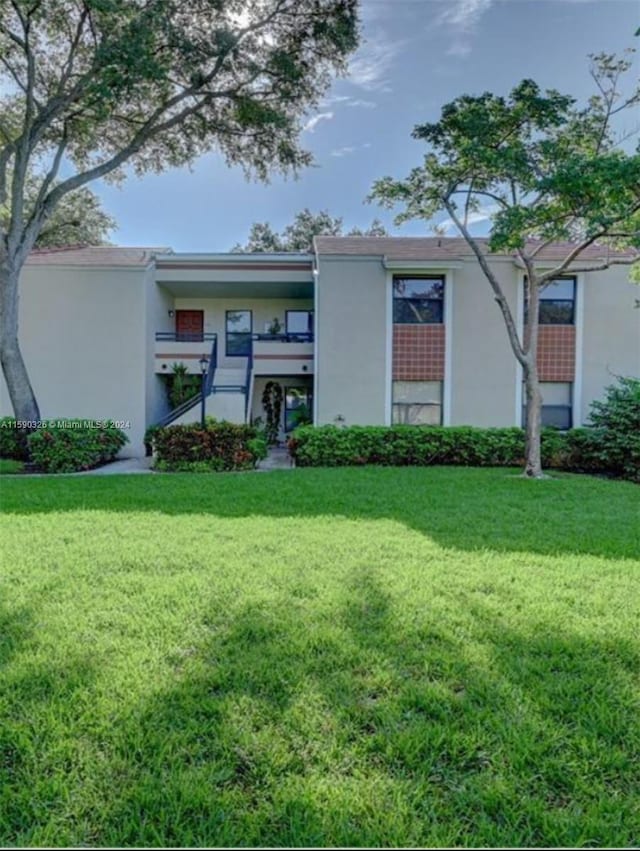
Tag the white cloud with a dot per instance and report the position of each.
(344, 151)
(370, 67)
(464, 14)
(312, 123)
(346, 100)
(349, 149)
(462, 18)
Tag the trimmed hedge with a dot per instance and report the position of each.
(13, 440)
(218, 447)
(332, 446)
(74, 445)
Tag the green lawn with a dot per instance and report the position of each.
(320, 657)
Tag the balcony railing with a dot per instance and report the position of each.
(179, 337)
(284, 338)
(175, 337)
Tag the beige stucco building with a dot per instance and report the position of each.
(364, 330)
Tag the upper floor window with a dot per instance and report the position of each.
(557, 302)
(299, 322)
(238, 333)
(418, 301)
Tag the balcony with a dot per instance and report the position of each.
(282, 354)
(188, 348)
(273, 354)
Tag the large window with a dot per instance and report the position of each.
(557, 302)
(238, 327)
(557, 408)
(417, 403)
(418, 301)
(299, 323)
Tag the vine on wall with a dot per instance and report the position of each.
(272, 404)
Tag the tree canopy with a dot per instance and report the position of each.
(546, 171)
(298, 236)
(91, 87)
(78, 219)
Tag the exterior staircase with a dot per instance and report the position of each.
(227, 392)
(227, 398)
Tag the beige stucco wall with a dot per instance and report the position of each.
(82, 337)
(483, 366)
(158, 304)
(611, 332)
(351, 353)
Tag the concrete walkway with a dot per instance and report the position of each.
(277, 459)
(123, 465)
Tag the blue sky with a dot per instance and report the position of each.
(416, 56)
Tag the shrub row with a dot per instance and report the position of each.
(332, 446)
(219, 446)
(13, 440)
(74, 445)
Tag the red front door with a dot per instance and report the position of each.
(189, 325)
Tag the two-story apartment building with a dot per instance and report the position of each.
(364, 330)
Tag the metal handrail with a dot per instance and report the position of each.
(194, 400)
(180, 410)
(247, 384)
(213, 363)
(306, 337)
(178, 337)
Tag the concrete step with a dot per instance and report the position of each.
(229, 376)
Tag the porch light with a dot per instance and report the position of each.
(204, 360)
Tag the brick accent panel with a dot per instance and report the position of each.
(557, 352)
(418, 352)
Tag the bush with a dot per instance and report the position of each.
(258, 447)
(216, 447)
(330, 446)
(74, 445)
(149, 437)
(617, 422)
(13, 440)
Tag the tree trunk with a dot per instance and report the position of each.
(23, 399)
(533, 455)
(533, 426)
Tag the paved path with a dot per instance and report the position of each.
(124, 465)
(277, 459)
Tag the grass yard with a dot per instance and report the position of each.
(320, 657)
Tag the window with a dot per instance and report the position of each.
(557, 302)
(297, 407)
(418, 301)
(299, 322)
(238, 329)
(557, 409)
(417, 403)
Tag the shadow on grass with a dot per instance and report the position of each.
(462, 508)
(40, 700)
(367, 728)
